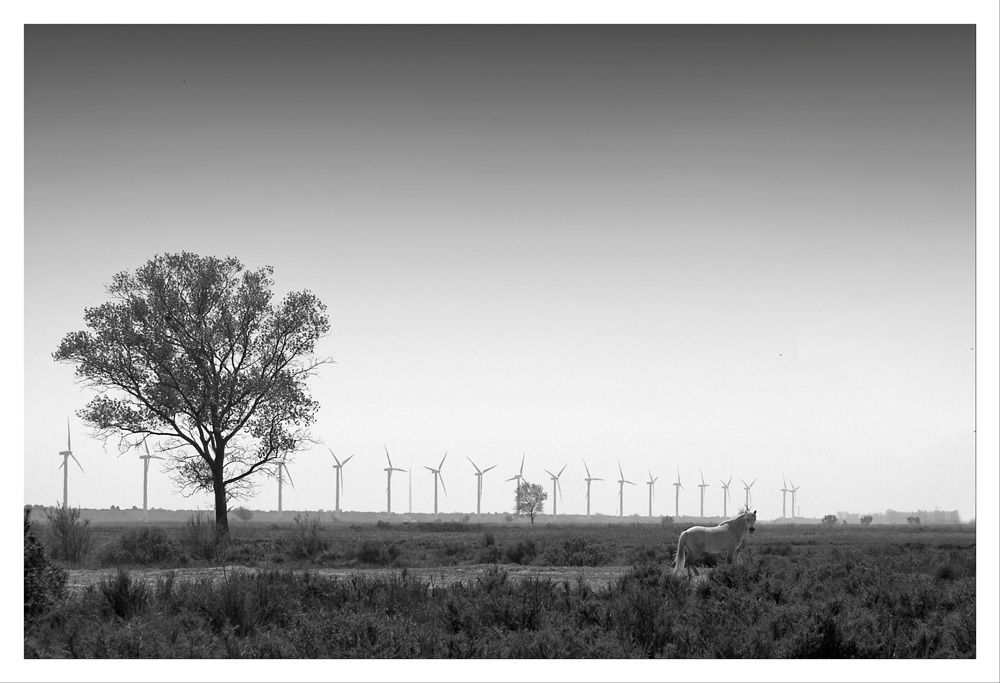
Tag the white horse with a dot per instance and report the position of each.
(724, 538)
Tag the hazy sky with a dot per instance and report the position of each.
(742, 250)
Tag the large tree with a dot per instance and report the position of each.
(192, 352)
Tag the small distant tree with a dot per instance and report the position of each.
(243, 514)
(830, 520)
(866, 520)
(529, 499)
(666, 519)
(913, 520)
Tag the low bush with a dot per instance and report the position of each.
(522, 552)
(199, 537)
(147, 546)
(307, 541)
(125, 596)
(44, 582)
(71, 535)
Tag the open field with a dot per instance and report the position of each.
(310, 589)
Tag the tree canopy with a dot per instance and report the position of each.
(191, 351)
(529, 499)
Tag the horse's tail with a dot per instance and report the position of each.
(680, 557)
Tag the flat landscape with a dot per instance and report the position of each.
(310, 588)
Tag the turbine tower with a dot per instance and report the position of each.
(621, 491)
(520, 475)
(556, 488)
(589, 479)
(702, 486)
(677, 494)
(340, 478)
(725, 496)
(388, 480)
(283, 470)
(479, 482)
(792, 491)
(438, 477)
(784, 493)
(747, 488)
(67, 454)
(145, 477)
(651, 483)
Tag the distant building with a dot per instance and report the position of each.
(897, 517)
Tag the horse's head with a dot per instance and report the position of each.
(751, 519)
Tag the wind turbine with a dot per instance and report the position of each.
(677, 494)
(621, 490)
(282, 471)
(340, 480)
(479, 482)
(793, 490)
(725, 495)
(67, 454)
(556, 488)
(589, 479)
(145, 476)
(784, 493)
(702, 486)
(520, 475)
(747, 488)
(437, 476)
(650, 483)
(388, 480)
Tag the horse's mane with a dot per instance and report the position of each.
(738, 518)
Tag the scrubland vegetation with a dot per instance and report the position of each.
(800, 592)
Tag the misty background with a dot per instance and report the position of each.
(744, 250)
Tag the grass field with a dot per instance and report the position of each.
(795, 592)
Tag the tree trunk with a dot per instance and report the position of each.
(221, 506)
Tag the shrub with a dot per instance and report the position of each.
(145, 546)
(666, 519)
(377, 553)
(914, 521)
(199, 537)
(126, 596)
(866, 520)
(243, 514)
(306, 541)
(523, 552)
(71, 535)
(830, 520)
(44, 582)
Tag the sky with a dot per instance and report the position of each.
(742, 252)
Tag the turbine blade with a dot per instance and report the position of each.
(473, 464)
(442, 483)
(69, 446)
(521, 472)
(334, 456)
(76, 461)
(430, 469)
(346, 459)
(442, 460)
(548, 473)
(146, 444)
(289, 475)
(488, 469)
(563, 468)
(586, 468)
(620, 473)
(387, 455)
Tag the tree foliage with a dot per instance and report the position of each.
(529, 499)
(830, 519)
(193, 352)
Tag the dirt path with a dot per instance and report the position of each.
(595, 577)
